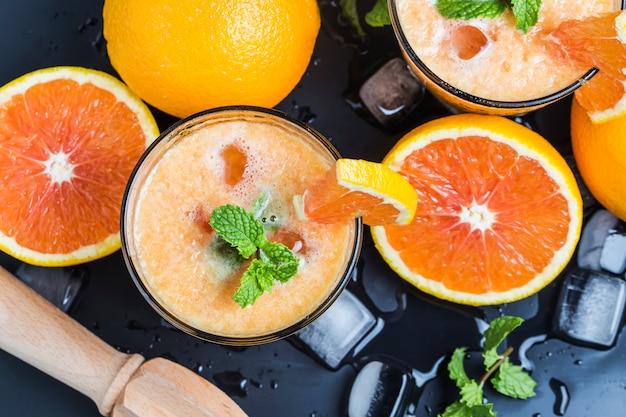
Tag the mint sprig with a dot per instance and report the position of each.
(508, 379)
(526, 12)
(378, 16)
(245, 232)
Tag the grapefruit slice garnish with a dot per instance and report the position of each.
(596, 42)
(358, 188)
(499, 211)
(69, 139)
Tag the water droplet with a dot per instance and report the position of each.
(561, 394)
(578, 362)
(537, 415)
(232, 382)
(90, 21)
(274, 384)
(198, 368)
(99, 43)
(303, 113)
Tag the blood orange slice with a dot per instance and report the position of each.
(69, 139)
(499, 211)
(600, 42)
(358, 188)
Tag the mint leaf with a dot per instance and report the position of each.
(259, 206)
(252, 284)
(282, 263)
(457, 409)
(245, 232)
(526, 13)
(490, 357)
(499, 329)
(349, 10)
(238, 227)
(456, 368)
(513, 381)
(468, 9)
(379, 15)
(472, 394)
(270, 223)
(507, 379)
(483, 410)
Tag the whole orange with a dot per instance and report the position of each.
(600, 154)
(184, 57)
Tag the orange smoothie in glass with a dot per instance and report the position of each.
(232, 156)
(486, 64)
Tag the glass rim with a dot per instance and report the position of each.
(172, 319)
(481, 101)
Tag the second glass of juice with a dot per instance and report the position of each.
(486, 65)
(233, 155)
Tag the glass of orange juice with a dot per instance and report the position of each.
(232, 155)
(486, 65)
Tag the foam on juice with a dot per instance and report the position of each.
(509, 65)
(195, 278)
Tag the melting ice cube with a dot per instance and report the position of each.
(590, 308)
(383, 387)
(613, 254)
(392, 92)
(603, 243)
(338, 331)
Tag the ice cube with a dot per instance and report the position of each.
(613, 253)
(590, 307)
(392, 92)
(338, 330)
(383, 387)
(593, 238)
(59, 285)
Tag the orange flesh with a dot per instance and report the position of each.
(102, 141)
(530, 224)
(329, 202)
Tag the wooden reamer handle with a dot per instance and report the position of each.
(35, 331)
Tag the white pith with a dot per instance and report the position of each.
(478, 216)
(59, 168)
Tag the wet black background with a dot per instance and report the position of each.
(278, 379)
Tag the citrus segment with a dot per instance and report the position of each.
(69, 138)
(596, 42)
(185, 57)
(499, 215)
(600, 154)
(357, 188)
